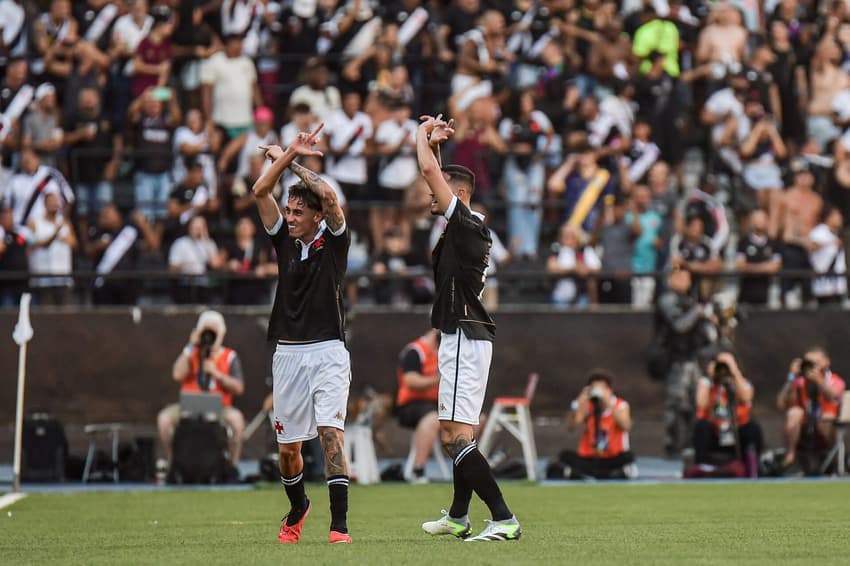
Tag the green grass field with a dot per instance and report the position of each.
(763, 523)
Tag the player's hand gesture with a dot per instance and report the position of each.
(273, 152)
(438, 130)
(304, 142)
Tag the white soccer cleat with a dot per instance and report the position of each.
(498, 531)
(445, 525)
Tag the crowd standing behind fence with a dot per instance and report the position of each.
(652, 130)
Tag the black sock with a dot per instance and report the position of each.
(294, 488)
(338, 492)
(419, 472)
(477, 474)
(462, 495)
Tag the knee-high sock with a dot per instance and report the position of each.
(338, 493)
(294, 488)
(462, 495)
(477, 474)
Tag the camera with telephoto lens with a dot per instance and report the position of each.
(722, 373)
(207, 338)
(596, 394)
(806, 366)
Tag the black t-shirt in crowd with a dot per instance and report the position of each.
(89, 157)
(695, 252)
(756, 249)
(308, 301)
(153, 144)
(130, 257)
(460, 262)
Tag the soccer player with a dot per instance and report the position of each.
(311, 366)
(460, 261)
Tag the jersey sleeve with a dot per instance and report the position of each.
(458, 213)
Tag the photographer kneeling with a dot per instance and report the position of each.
(603, 450)
(719, 428)
(205, 366)
(811, 398)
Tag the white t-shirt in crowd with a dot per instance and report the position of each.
(399, 171)
(829, 257)
(351, 167)
(566, 289)
(55, 258)
(185, 135)
(723, 103)
(191, 255)
(321, 102)
(127, 32)
(20, 188)
(232, 83)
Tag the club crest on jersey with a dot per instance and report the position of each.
(318, 244)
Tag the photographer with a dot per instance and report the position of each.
(719, 428)
(205, 365)
(603, 450)
(682, 324)
(811, 398)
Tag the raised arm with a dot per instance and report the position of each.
(334, 217)
(281, 159)
(429, 164)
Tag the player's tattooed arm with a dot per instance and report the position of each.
(330, 203)
(335, 464)
(457, 444)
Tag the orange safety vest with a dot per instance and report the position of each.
(613, 440)
(223, 360)
(827, 408)
(428, 356)
(718, 411)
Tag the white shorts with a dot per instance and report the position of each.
(464, 370)
(310, 389)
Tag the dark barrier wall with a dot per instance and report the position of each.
(103, 366)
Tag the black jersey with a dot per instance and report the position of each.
(460, 262)
(308, 301)
(756, 249)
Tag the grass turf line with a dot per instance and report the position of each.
(595, 524)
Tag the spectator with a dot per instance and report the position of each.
(659, 100)
(640, 157)
(152, 60)
(41, 128)
(569, 257)
(527, 134)
(94, 153)
(665, 203)
(610, 59)
(827, 258)
(704, 204)
(349, 132)
(196, 142)
(246, 255)
(584, 185)
(659, 35)
(194, 41)
(616, 238)
(475, 140)
(190, 198)
(193, 256)
(801, 210)
(395, 143)
(216, 369)
(811, 398)
(248, 143)
(14, 243)
(758, 258)
(54, 36)
(229, 88)
(761, 150)
(96, 19)
(416, 401)
(605, 421)
(827, 79)
(322, 98)
(127, 33)
(482, 60)
(116, 245)
(723, 43)
(693, 250)
(153, 128)
(15, 97)
(14, 35)
(53, 241)
(791, 82)
(393, 261)
(648, 242)
(88, 72)
(25, 191)
(724, 402)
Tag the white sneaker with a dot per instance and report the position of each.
(445, 525)
(497, 531)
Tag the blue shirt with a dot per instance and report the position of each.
(576, 185)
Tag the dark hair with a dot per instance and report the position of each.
(300, 191)
(827, 212)
(461, 174)
(301, 108)
(601, 374)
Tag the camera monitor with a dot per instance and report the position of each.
(206, 405)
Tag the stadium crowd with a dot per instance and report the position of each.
(610, 139)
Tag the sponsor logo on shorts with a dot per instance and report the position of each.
(338, 416)
(442, 408)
